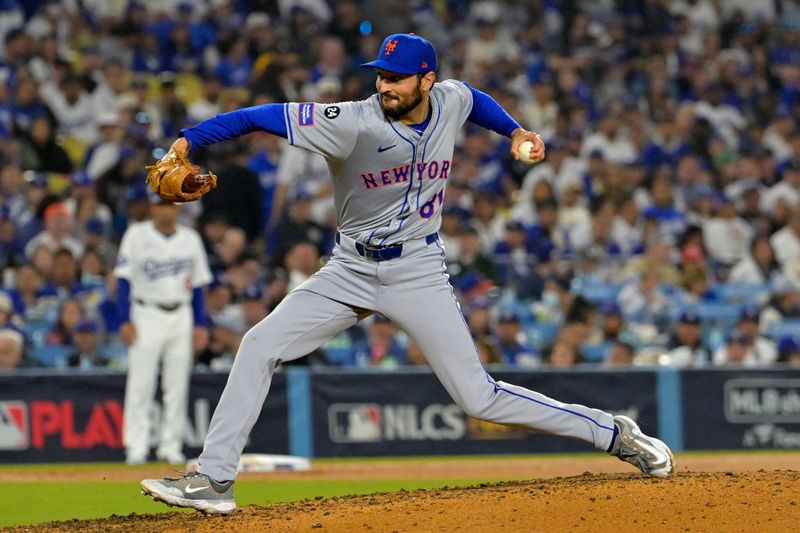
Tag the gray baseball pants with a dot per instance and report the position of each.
(414, 292)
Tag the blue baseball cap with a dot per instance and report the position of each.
(137, 193)
(253, 292)
(95, 226)
(81, 178)
(405, 53)
(86, 325)
(508, 317)
(610, 309)
(750, 313)
(690, 317)
(739, 337)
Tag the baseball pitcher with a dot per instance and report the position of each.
(390, 157)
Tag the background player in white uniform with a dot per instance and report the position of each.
(162, 268)
(390, 158)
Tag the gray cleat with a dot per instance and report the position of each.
(648, 454)
(194, 490)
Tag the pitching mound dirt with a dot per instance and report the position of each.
(761, 501)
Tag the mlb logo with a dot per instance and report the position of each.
(14, 428)
(354, 422)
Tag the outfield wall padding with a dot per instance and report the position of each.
(49, 416)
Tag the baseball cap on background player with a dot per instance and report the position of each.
(155, 199)
(405, 53)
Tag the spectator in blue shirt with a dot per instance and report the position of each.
(512, 342)
(381, 347)
(236, 67)
(663, 207)
(516, 265)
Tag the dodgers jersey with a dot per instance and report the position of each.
(162, 269)
(388, 180)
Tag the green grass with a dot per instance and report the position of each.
(23, 503)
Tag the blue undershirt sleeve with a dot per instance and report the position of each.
(487, 113)
(269, 117)
(123, 300)
(199, 307)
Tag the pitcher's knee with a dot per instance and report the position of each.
(474, 407)
(255, 346)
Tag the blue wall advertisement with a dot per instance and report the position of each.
(741, 409)
(47, 417)
(51, 417)
(412, 414)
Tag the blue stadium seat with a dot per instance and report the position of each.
(50, 354)
(336, 355)
(541, 335)
(594, 353)
(742, 293)
(36, 332)
(784, 328)
(717, 312)
(115, 351)
(599, 292)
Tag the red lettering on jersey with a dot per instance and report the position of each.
(433, 170)
(391, 46)
(401, 173)
(445, 169)
(421, 169)
(369, 180)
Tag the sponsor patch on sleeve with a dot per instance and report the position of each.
(305, 114)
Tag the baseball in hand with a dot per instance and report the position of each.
(525, 153)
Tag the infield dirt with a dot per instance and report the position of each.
(746, 498)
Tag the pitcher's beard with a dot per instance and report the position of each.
(403, 108)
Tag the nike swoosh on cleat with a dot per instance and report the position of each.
(191, 490)
(661, 457)
(382, 149)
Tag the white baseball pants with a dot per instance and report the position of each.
(162, 337)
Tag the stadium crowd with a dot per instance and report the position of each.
(663, 227)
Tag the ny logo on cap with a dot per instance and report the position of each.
(390, 47)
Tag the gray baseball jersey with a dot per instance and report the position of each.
(388, 180)
(389, 185)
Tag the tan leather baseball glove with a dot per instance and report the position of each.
(176, 179)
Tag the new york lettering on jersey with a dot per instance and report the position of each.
(384, 171)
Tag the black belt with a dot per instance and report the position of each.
(164, 307)
(384, 253)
